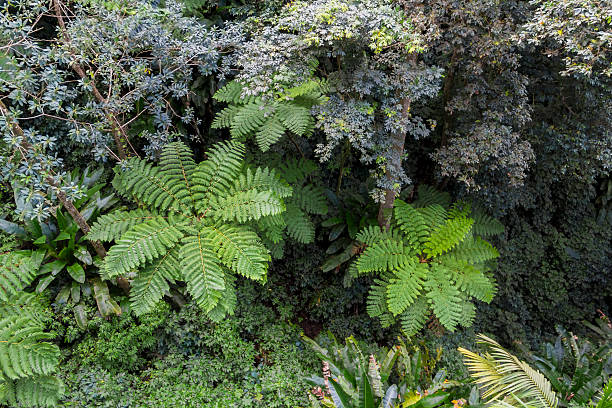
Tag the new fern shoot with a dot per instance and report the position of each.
(431, 261)
(193, 224)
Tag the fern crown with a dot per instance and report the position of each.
(192, 225)
(429, 261)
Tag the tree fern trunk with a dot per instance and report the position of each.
(397, 152)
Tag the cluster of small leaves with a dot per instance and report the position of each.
(578, 31)
(365, 50)
(137, 61)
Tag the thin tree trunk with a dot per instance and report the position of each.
(397, 153)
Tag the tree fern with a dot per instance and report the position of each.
(268, 119)
(505, 378)
(196, 227)
(429, 262)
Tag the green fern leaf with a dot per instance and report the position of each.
(296, 171)
(296, 118)
(247, 205)
(141, 244)
(215, 176)
(272, 227)
(299, 226)
(310, 199)
(35, 391)
(411, 223)
(227, 302)
(143, 180)
(406, 286)
(230, 93)
(23, 304)
(447, 236)
(468, 313)
(434, 215)
(23, 349)
(485, 225)
(152, 282)
(427, 196)
(17, 270)
(444, 297)
(225, 118)
(238, 248)
(110, 227)
(178, 166)
(269, 133)
(384, 255)
(202, 271)
(248, 120)
(414, 317)
(472, 250)
(261, 179)
(472, 281)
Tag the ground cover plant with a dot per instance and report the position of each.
(337, 203)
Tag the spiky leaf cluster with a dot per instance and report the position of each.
(28, 360)
(430, 261)
(265, 119)
(192, 225)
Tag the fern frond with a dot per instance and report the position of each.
(225, 118)
(261, 179)
(503, 376)
(230, 93)
(405, 286)
(227, 302)
(178, 166)
(152, 282)
(427, 195)
(377, 302)
(23, 349)
(202, 271)
(295, 171)
(468, 313)
(413, 318)
(141, 244)
(472, 281)
(371, 234)
(23, 304)
(299, 226)
(444, 297)
(247, 205)
(472, 250)
(35, 391)
(238, 248)
(310, 199)
(272, 227)
(248, 120)
(485, 225)
(434, 215)
(17, 270)
(215, 176)
(269, 133)
(146, 182)
(110, 227)
(296, 118)
(411, 223)
(383, 255)
(447, 236)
